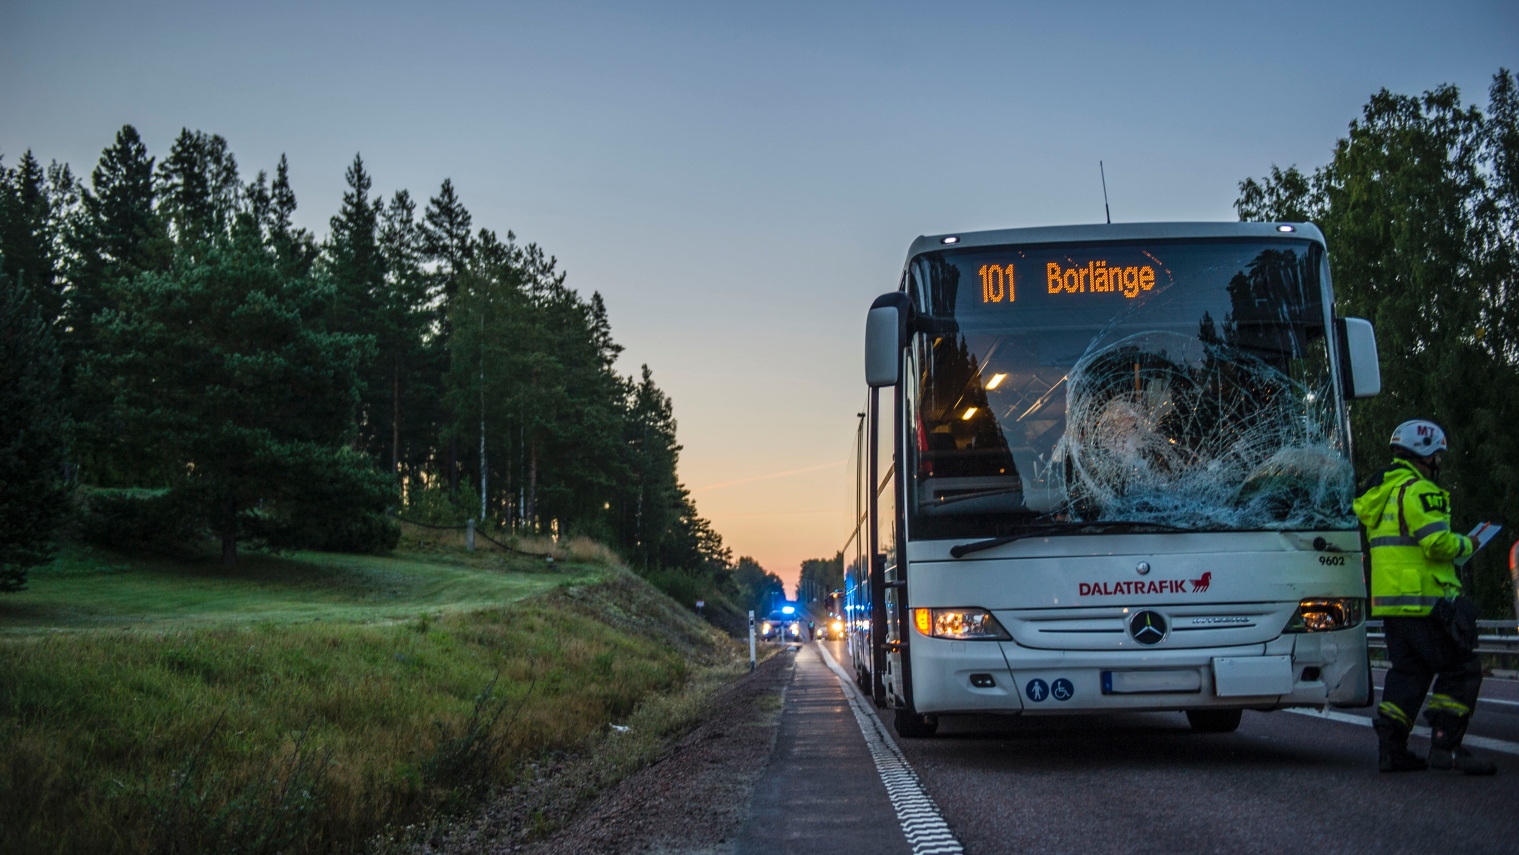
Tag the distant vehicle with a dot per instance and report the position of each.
(1111, 473)
(831, 629)
(784, 623)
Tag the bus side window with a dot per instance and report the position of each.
(886, 488)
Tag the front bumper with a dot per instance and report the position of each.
(1308, 670)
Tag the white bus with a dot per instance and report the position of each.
(1107, 468)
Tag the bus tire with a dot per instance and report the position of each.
(911, 725)
(1214, 721)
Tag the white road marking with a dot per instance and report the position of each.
(926, 831)
(1481, 700)
(1470, 741)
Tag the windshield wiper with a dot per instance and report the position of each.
(964, 549)
(981, 494)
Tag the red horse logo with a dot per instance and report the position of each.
(1200, 586)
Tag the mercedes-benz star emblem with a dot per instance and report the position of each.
(1148, 627)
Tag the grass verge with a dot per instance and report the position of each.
(210, 726)
(551, 793)
(88, 588)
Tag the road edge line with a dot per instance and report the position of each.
(1484, 742)
(922, 823)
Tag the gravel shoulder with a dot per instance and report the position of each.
(692, 798)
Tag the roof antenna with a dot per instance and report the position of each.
(1105, 208)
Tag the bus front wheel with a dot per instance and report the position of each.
(1214, 721)
(911, 725)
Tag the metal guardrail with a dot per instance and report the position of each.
(1503, 640)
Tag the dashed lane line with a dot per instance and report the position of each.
(922, 824)
(1484, 742)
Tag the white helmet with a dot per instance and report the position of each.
(1421, 437)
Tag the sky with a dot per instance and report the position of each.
(739, 181)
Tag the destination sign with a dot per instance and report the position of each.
(1094, 277)
(996, 283)
(1098, 278)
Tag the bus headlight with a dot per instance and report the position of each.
(965, 624)
(1327, 615)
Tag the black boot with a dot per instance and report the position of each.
(1392, 747)
(1445, 752)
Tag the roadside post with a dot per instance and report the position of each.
(469, 535)
(700, 604)
(751, 639)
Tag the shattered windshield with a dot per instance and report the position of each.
(1179, 383)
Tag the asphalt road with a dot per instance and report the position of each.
(1145, 783)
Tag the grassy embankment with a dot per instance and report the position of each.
(309, 703)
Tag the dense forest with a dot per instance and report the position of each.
(181, 364)
(1420, 207)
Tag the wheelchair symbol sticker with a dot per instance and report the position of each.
(1037, 690)
(1062, 690)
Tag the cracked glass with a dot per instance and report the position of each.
(1178, 383)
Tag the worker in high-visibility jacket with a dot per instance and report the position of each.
(1413, 550)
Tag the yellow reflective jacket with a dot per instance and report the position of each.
(1407, 519)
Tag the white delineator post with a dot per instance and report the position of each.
(751, 639)
(469, 536)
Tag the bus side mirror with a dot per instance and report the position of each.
(1359, 364)
(885, 336)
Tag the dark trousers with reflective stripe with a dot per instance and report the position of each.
(1421, 650)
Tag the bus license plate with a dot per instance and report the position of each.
(1150, 682)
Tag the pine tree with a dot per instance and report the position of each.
(374, 255)
(653, 501)
(356, 267)
(117, 235)
(447, 240)
(415, 375)
(293, 247)
(34, 202)
(200, 190)
(33, 431)
(223, 367)
(353, 245)
(128, 235)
